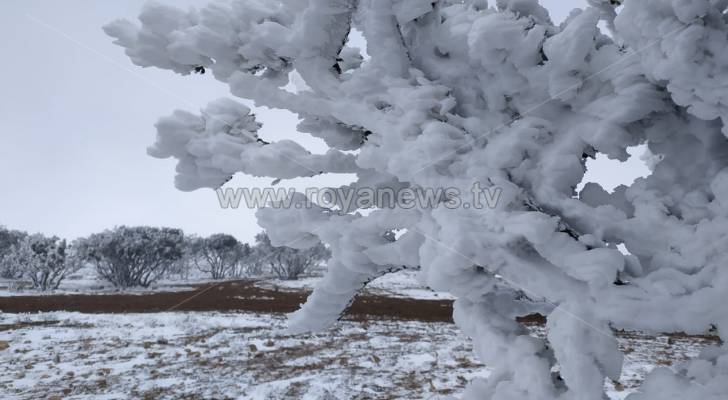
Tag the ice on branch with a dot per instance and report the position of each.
(223, 140)
(455, 93)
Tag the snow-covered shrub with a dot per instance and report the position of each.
(243, 267)
(132, 256)
(219, 255)
(454, 93)
(9, 241)
(285, 262)
(44, 261)
(255, 264)
(182, 268)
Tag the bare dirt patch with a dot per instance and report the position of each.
(227, 296)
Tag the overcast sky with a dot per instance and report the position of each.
(76, 118)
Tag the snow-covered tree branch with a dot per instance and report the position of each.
(451, 93)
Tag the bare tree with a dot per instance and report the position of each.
(288, 263)
(133, 256)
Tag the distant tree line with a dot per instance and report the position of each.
(139, 256)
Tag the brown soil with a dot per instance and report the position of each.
(226, 296)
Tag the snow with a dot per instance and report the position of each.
(245, 356)
(302, 283)
(403, 284)
(252, 356)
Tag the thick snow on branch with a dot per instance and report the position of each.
(458, 93)
(223, 140)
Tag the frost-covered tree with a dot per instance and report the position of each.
(254, 265)
(452, 93)
(181, 268)
(244, 266)
(285, 262)
(10, 240)
(45, 261)
(219, 255)
(132, 256)
(51, 262)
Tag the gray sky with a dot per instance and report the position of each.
(76, 118)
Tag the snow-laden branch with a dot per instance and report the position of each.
(456, 93)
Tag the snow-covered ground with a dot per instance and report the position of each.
(211, 355)
(250, 356)
(399, 284)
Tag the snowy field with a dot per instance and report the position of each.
(403, 284)
(250, 356)
(175, 355)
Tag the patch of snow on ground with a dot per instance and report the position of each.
(399, 284)
(251, 356)
(214, 355)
